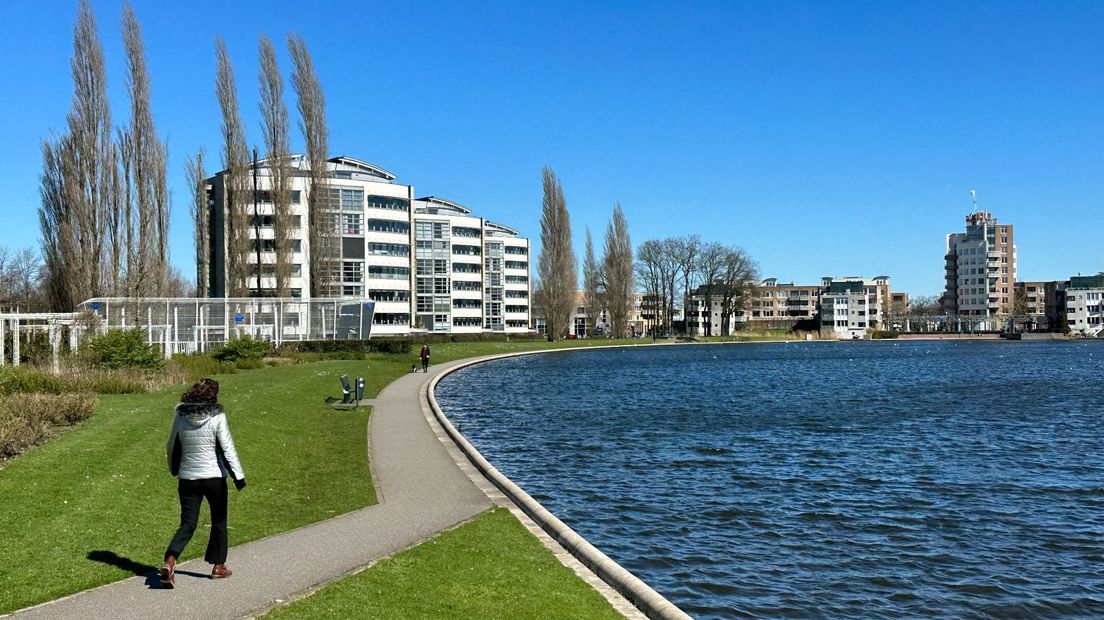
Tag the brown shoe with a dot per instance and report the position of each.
(220, 572)
(167, 574)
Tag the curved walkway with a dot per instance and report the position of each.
(420, 489)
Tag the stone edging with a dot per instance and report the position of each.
(652, 603)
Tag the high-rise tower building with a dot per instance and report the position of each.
(980, 268)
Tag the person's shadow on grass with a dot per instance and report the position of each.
(137, 568)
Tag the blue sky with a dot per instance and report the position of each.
(824, 138)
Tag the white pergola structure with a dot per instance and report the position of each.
(53, 323)
(192, 325)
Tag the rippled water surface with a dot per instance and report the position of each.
(933, 479)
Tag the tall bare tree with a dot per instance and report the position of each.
(739, 277)
(201, 218)
(274, 118)
(593, 286)
(235, 160)
(556, 265)
(710, 268)
(649, 256)
(312, 112)
(77, 181)
(617, 263)
(687, 249)
(146, 159)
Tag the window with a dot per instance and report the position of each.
(517, 309)
(352, 224)
(465, 250)
(517, 294)
(389, 226)
(352, 291)
(347, 199)
(466, 321)
(517, 279)
(384, 295)
(352, 271)
(514, 264)
(387, 318)
(431, 230)
(464, 231)
(388, 273)
(462, 285)
(389, 249)
(465, 268)
(387, 202)
(467, 303)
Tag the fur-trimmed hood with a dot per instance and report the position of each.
(197, 414)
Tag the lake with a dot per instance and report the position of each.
(934, 479)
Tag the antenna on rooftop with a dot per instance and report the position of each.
(973, 198)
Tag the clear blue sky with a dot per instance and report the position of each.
(825, 138)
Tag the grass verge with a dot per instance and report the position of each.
(97, 504)
(491, 567)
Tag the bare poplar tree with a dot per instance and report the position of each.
(274, 117)
(146, 159)
(201, 214)
(312, 111)
(618, 270)
(687, 249)
(556, 265)
(710, 268)
(235, 158)
(59, 242)
(649, 256)
(77, 180)
(592, 288)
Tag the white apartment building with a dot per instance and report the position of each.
(1085, 305)
(465, 274)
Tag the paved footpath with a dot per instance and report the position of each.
(421, 492)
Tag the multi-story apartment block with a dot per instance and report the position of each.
(980, 266)
(773, 305)
(1085, 305)
(428, 264)
(1038, 304)
(846, 309)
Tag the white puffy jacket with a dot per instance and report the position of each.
(200, 445)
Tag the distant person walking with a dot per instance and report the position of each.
(201, 453)
(425, 357)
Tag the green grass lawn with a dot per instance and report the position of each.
(491, 567)
(104, 491)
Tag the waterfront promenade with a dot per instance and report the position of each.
(421, 492)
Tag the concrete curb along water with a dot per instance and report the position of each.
(652, 603)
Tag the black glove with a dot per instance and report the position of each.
(239, 484)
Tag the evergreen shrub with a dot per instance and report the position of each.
(124, 348)
(244, 348)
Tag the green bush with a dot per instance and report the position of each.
(124, 348)
(879, 334)
(21, 379)
(244, 348)
(199, 365)
(249, 363)
(34, 347)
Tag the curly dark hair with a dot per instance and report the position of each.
(204, 391)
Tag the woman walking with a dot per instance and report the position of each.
(201, 453)
(425, 357)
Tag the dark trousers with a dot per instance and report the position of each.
(192, 493)
(425, 364)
